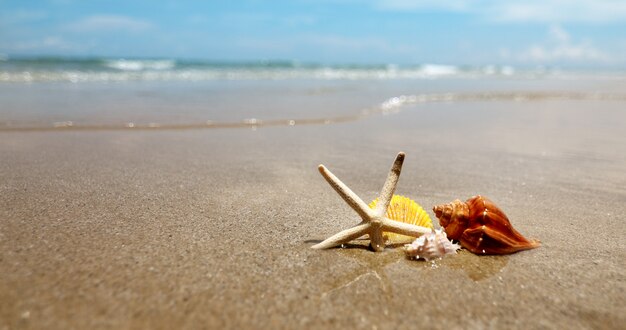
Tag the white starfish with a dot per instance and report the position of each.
(374, 221)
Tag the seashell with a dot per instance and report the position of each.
(405, 210)
(481, 227)
(430, 246)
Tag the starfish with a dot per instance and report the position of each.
(374, 222)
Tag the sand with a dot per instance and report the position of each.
(213, 228)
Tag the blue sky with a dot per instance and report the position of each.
(473, 32)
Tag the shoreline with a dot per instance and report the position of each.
(390, 106)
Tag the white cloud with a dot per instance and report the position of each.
(550, 11)
(564, 52)
(106, 23)
(588, 11)
(560, 48)
(559, 34)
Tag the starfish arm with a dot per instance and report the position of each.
(390, 185)
(404, 228)
(377, 241)
(343, 236)
(348, 195)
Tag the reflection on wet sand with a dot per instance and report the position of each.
(477, 268)
(370, 264)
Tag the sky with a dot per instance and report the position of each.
(584, 33)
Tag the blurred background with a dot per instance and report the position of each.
(582, 33)
(59, 58)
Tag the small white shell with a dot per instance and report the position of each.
(430, 246)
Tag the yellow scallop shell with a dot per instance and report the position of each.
(404, 209)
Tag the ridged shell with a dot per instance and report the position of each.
(405, 210)
(481, 227)
(431, 246)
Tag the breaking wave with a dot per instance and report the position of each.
(120, 70)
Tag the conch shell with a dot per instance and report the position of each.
(405, 210)
(430, 246)
(481, 227)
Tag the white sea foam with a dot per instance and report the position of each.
(435, 70)
(169, 70)
(138, 65)
(507, 70)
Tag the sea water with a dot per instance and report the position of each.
(76, 70)
(115, 93)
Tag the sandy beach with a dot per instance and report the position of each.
(212, 228)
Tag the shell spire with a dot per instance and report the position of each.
(481, 227)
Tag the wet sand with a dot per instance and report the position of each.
(213, 228)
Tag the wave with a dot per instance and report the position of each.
(139, 65)
(119, 70)
(439, 70)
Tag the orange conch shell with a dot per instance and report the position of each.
(405, 210)
(481, 227)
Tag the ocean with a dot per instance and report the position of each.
(112, 93)
(115, 70)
